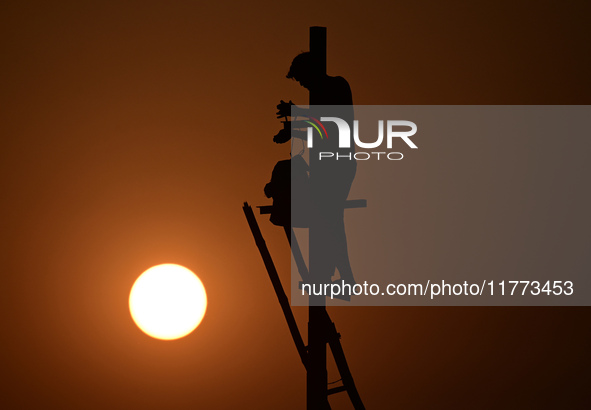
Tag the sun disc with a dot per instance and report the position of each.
(167, 301)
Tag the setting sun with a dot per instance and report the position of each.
(167, 301)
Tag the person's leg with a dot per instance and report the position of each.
(336, 222)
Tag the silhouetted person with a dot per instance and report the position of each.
(330, 180)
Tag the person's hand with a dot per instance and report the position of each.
(284, 109)
(282, 136)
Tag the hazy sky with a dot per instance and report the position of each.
(133, 131)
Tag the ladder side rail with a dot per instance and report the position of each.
(339, 357)
(272, 271)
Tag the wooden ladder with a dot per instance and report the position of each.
(332, 337)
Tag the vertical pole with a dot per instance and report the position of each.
(317, 377)
(318, 53)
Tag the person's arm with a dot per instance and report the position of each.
(285, 134)
(284, 109)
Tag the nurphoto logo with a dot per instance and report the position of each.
(392, 130)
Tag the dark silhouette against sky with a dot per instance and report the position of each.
(329, 181)
(131, 135)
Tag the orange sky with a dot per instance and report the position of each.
(131, 135)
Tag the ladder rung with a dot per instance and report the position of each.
(351, 203)
(336, 390)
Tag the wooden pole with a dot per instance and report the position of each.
(317, 377)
